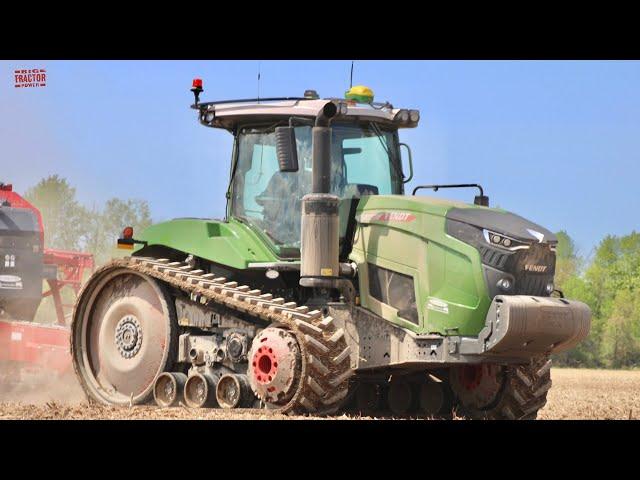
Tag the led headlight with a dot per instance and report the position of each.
(549, 288)
(500, 240)
(414, 115)
(209, 117)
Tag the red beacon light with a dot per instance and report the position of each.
(196, 88)
(127, 240)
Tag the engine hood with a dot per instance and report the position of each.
(500, 221)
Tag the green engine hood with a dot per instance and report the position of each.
(390, 209)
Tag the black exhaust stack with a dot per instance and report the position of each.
(321, 133)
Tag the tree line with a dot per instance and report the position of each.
(609, 282)
(69, 225)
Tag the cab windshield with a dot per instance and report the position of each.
(364, 161)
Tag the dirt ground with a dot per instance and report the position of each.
(576, 394)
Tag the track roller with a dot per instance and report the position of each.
(431, 398)
(169, 388)
(199, 391)
(367, 398)
(233, 391)
(401, 397)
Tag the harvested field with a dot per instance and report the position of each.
(576, 394)
(581, 394)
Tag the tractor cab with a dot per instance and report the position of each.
(364, 158)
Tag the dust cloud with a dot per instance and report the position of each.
(38, 387)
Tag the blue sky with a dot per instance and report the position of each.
(557, 142)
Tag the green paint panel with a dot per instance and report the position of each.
(408, 235)
(229, 243)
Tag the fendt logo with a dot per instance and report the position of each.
(30, 78)
(536, 268)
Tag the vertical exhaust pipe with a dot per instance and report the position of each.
(321, 153)
(319, 249)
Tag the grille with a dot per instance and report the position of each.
(494, 258)
(532, 283)
(526, 282)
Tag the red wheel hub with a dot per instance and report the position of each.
(274, 366)
(265, 365)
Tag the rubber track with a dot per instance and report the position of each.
(326, 367)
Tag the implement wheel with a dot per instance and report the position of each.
(123, 336)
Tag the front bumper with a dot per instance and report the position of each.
(527, 326)
(517, 328)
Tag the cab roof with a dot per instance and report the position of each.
(228, 114)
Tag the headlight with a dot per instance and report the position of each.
(500, 240)
(209, 117)
(414, 115)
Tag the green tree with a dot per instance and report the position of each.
(613, 278)
(568, 262)
(63, 217)
(620, 339)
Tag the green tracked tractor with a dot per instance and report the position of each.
(326, 288)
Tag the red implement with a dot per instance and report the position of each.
(28, 347)
(35, 345)
(70, 267)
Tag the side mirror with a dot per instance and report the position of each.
(286, 149)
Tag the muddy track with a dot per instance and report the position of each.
(325, 354)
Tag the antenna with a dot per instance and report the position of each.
(351, 80)
(258, 81)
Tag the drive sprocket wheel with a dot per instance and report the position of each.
(300, 370)
(124, 336)
(500, 392)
